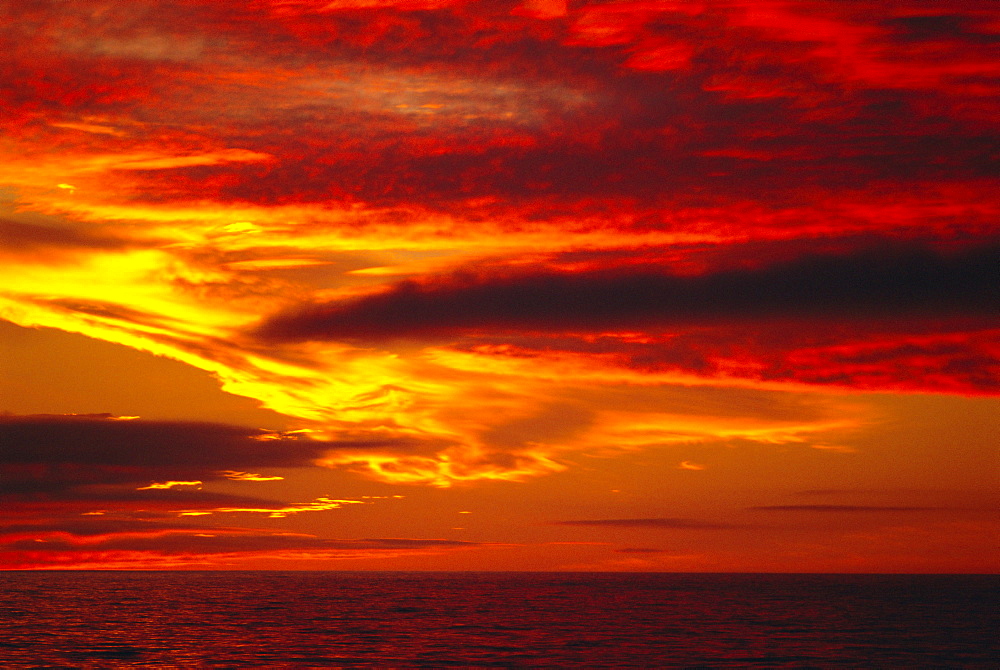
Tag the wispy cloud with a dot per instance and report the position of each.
(841, 508)
(659, 522)
(248, 476)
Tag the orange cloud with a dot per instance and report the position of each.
(469, 243)
(168, 485)
(319, 505)
(248, 476)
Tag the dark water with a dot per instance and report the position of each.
(353, 619)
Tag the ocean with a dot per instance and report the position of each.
(395, 619)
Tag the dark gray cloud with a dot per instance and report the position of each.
(101, 439)
(167, 447)
(58, 464)
(60, 467)
(877, 283)
(78, 484)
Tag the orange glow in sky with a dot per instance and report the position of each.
(540, 285)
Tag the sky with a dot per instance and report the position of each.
(546, 285)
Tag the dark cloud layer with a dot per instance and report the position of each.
(870, 284)
(74, 464)
(105, 440)
(78, 488)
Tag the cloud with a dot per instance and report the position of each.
(169, 485)
(868, 283)
(661, 522)
(221, 541)
(57, 498)
(129, 531)
(840, 508)
(620, 177)
(90, 528)
(104, 490)
(539, 111)
(127, 449)
(147, 446)
(74, 464)
(249, 476)
(135, 543)
(27, 239)
(161, 546)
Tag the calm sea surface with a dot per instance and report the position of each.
(385, 619)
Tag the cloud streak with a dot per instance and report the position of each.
(105, 440)
(841, 508)
(666, 523)
(872, 283)
(130, 545)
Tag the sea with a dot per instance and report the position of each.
(96, 619)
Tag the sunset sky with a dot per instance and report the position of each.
(550, 285)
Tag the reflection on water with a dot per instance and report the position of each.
(296, 619)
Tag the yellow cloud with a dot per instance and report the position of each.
(248, 476)
(321, 504)
(170, 485)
